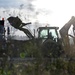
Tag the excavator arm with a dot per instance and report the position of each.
(66, 27)
(65, 36)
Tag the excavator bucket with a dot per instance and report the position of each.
(17, 23)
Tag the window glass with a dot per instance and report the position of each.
(53, 33)
(43, 34)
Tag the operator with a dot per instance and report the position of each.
(50, 36)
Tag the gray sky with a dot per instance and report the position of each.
(57, 14)
(14, 3)
(8, 3)
(10, 6)
(60, 10)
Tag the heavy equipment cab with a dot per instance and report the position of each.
(50, 41)
(48, 33)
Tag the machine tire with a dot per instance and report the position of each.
(50, 48)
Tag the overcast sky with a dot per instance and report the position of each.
(58, 11)
(61, 10)
(13, 3)
(9, 3)
(52, 12)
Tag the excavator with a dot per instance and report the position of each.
(52, 45)
(49, 37)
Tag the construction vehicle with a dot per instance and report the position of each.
(52, 43)
(48, 38)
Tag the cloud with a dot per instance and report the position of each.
(15, 3)
(8, 3)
